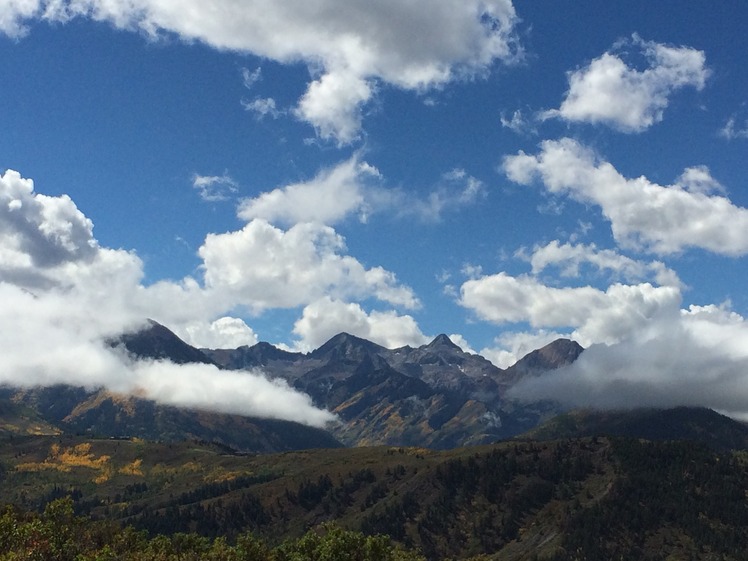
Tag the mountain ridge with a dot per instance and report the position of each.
(434, 395)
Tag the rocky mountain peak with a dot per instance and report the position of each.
(443, 341)
(345, 346)
(556, 354)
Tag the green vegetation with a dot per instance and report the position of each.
(58, 535)
(590, 498)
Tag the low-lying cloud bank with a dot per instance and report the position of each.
(643, 348)
(697, 357)
(54, 338)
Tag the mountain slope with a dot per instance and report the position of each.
(594, 498)
(696, 424)
(101, 413)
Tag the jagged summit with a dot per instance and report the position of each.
(443, 341)
(554, 355)
(560, 352)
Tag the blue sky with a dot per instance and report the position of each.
(283, 171)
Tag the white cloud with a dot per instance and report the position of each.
(570, 257)
(355, 186)
(40, 231)
(461, 342)
(351, 47)
(214, 188)
(262, 267)
(609, 91)
(251, 77)
(325, 318)
(643, 215)
(596, 316)
(13, 13)
(333, 105)
(223, 333)
(328, 198)
(697, 357)
(734, 129)
(518, 123)
(234, 392)
(72, 337)
(642, 348)
(456, 189)
(262, 107)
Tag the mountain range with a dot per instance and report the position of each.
(435, 396)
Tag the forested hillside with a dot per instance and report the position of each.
(591, 498)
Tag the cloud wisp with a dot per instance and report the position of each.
(214, 188)
(734, 129)
(355, 187)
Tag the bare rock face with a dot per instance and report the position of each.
(556, 354)
(434, 395)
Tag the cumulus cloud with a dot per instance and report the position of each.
(513, 345)
(261, 266)
(610, 92)
(595, 315)
(459, 340)
(325, 318)
(40, 231)
(643, 348)
(213, 188)
(333, 105)
(224, 333)
(350, 47)
(328, 198)
(643, 215)
(590, 315)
